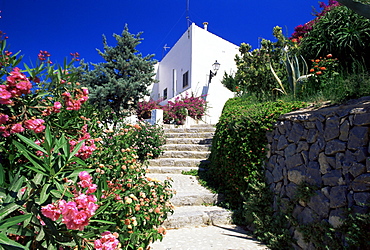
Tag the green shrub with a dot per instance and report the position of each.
(239, 144)
(341, 32)
(147, 139)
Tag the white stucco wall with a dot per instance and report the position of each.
(195, 52)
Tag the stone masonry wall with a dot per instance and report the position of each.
(327, 148)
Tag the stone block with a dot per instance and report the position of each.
(324, 165)
(294, 161)
(319, 203)
(339, 158)
(305, 157)
(331, 128)
(280, 126)
(362, 199)
(277, 173)
(312, 135)
(302, 146)
(358, 137)
(296, 132)
(344, 130)
(361, 183)
(291, 190)
(368, 164)
(282, 143)
(361, 119)
(313, 174)
(338, 196)
(309, 125)
(335, 146)
(361, 154)
(332, 178)
(269, 177)
(290, 150)
(319, 126)
(307, 216)
(357, 169)
(297, 175)
(336, 217)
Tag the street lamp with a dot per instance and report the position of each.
(216, 67)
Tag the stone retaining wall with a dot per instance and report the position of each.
(327, 148)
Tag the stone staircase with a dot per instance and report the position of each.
(196, 222)
(186, 149)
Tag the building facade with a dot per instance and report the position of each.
(187, 67)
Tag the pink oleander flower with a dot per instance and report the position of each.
(77, 212)
(51, 211)
(108, 241)
(35, 125)
(16, 128)
(3, 118)
(57, 106)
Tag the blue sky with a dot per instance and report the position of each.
(62, 27)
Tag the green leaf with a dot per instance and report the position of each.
(19, 230)
(103, 222)
(14, 220)
(41, 235)
(44, 195)
(4, 211)
(2, 175)
(31, 157)
(75, 150)
(14, 188)
(6, 241)
(30, 143)
(48, 140)
(38, 178)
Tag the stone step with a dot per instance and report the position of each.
(175, 162)
(186, 147)
(205, 135)
(188, 190)
(198, 141)
(185, 154)
(170, 170)
(194, 216)
(190, 130)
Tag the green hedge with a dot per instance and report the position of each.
(239, 144)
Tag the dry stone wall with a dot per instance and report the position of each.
(326, 148)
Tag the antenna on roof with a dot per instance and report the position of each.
(187, 13)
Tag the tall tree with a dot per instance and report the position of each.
(123, 79)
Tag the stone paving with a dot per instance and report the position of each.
(225, 237)
(197, 223)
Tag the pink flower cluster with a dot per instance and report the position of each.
(8, 129)
(43, 55)
(88, 144)
(17, 84)
(54, 109)
(108, 241)
(35, 125)
(76, 213)
(75, 103)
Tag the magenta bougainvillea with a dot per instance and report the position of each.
(301, 31)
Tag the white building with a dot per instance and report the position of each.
(187, 68)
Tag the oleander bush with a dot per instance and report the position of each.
(65, 181)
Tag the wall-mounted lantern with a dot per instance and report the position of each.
(216, 67)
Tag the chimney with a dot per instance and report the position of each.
(205, 24)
